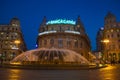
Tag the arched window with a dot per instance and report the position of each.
(60, 43)
(13, 55)
(81, 44)
(108, 36)
(40, 43)
(45, 42)
(68, 28)
(68, 42)
(51, 41)
(52, 28)
(76, 43)
(118, 35)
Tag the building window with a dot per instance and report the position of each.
(16, 29)
(51, 41)
(68, 28)
(108, 36)
(40, 43)
(76, 43)
(117, 30)
(4, 54)
(113, 47)
(60, 43)
(111, 30)
(118, 35)
(13, 29)
(81, 44)
(13, 55)
(111, 35)
(11, 37)
(52, 28)
(45, 42)
(68, 43)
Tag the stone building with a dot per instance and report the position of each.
(11, 40)
(108, 39)
(64, 34)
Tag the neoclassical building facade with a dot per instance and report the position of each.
(64, 34)
(108, 39)
(11, 40)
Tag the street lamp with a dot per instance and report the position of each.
(105, 41)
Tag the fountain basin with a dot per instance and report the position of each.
(49, 56)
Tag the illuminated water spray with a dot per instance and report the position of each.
(51, 56)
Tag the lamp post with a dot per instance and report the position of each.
(105, 41)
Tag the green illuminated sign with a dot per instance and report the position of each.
(61, 21)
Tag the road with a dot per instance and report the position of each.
(108, 73)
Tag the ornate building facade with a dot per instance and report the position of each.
(11, 40)
(64, 34)
(108, 39)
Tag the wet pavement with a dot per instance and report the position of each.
(107, 73)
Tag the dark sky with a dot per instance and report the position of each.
(31, 13)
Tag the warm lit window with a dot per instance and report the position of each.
(2, 33)
(111, 30)
(117, 30)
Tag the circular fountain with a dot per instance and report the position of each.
(50, 56)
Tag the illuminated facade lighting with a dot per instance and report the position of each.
(74, 32)
(14, 47)
(17, 41)
(61, 21)
(105, 41)
(47, 32)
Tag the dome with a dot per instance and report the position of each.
(15, 20)
(109, 15)
(52, 55)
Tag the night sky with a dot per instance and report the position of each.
(31, 13)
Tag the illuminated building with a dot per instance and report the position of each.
(11, 40)
(64, 34)
(108, 39)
